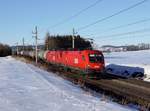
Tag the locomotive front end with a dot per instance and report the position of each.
(96, 62)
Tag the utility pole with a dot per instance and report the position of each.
(23, 44)
(73, 38)
(47, 45)
(17, 48)
(47, 41)
(36, 38)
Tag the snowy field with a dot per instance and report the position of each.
(133, 58)
(24, 87)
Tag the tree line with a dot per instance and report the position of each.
(141, 46)
(5, 50)
(64, 42)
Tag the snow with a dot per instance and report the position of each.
(139, 59)
(24, 87)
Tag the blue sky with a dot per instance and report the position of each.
(18, 18)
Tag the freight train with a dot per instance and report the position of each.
(85, 61)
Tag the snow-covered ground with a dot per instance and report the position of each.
(24, 87)
(132, 58)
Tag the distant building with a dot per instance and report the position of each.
(143, 46)
(109, 48)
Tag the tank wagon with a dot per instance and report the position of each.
(41, 55)
(83, 61)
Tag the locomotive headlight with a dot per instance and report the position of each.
(96, 66)
(88, 65)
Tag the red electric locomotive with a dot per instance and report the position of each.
(87, 61)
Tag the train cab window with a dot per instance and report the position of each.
(93, 58)
(83, 57)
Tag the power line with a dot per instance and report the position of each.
(76, 14)
(115, 14)
(129, 24)
(127, 33)
(123, 26)
(148, 35)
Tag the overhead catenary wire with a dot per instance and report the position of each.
(126, 33)
(127, 25)
(121, 11)
(110, 16)
(127, 38)
(76, 14)
(123, 26)
(124, 37)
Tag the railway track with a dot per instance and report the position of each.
(137, 82)
(131, 92)
(123, 91)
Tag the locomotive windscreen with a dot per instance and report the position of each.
(94, 58)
